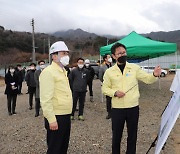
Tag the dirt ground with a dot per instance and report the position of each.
(25, 134)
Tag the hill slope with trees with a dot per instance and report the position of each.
(19, 44)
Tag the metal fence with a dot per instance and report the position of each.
(168, 62)
(26, 64)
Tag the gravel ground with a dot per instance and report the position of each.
(25, 134)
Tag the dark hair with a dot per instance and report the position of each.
(32, 64)
(10, 67)
(115, 46)
(105, 56)
(19, 65)
(80, 59)
(41, 61)
(55, 53)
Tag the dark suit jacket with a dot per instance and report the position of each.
(9, 79)
(36, 78)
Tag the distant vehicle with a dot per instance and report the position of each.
(173, 70)
(95, 66)
(150, 69)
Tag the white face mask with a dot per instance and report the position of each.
(110, 60)
(42, 66)
(32, 68)
(64, 60)
(12, 70)
(80, 65)
(19, 68)
(87, 65)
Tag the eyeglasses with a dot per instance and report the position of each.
(121, 54)
(41, 63)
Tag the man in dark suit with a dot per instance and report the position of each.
(20, 75)
(78, 82)
(91, 78)
(107, 64)
(37, 73)
(31, 83)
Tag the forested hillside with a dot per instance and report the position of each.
(82, 43)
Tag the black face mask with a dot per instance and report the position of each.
(122, 59)
(33, 70)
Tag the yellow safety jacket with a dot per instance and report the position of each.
(127, 82)
(55, 93)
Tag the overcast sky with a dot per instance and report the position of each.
(115, 17)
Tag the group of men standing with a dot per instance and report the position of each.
(16, 76)
(59, 96)
(59, 92)
(32, 81)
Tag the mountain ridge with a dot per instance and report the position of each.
(82, 43)
(167, 36)
(74, 34)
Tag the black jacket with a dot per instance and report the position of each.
(30, 78)
(78, 79)
(9, 79)
(20, 75)
(67, 69)
(91, 73)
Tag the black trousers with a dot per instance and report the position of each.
(81, 97)
(37, 105)
(119, 117)
(19, 87)
(108, 104)
(11, 102)
(31, 91)
(90, 87)
(58, 140)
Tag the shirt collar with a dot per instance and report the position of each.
(127, 66)
(57, 66)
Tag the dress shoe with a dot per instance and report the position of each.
(30, 108)
(108, 116)
(91, 99)
(36, 115)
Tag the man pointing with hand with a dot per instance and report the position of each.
(121, 83)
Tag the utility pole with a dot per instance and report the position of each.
(49, 50)
(107, 41)
(80, 53)
(33, 42)
(44, 46)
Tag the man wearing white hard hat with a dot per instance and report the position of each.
(91, 77)
(56, 99)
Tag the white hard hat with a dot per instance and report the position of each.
(58, 46)
(87, 61)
